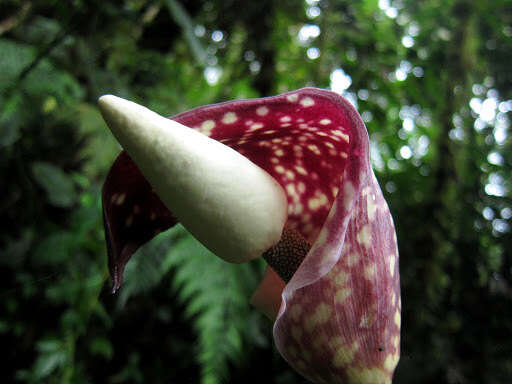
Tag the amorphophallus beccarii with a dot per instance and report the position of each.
(287, 177)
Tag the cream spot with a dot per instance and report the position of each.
(334, 191)
(397, 318)
(290, 174)
(342, 135)
(391, 362)
(342, 295)
(315, 203)
(391, 261)
(274, 160)
(256, 126)
(285, 119)
(370, 271)
(345, 356)
(296, 311)
(321, 314)
(313, 148)
(366, 320)
(348, 195)
(352, 259)
(364, 236)
(296, 333)
(325, 121)
(320, 342)
(262, 111)
(343, 155)
(393, 299)
(207, 126)
(120, 199)
(290, 189)
(293, 98)
(333, 210)
(229, 118)
(279, 152)
(371, 208)
(307, 102)
(301, 186)
(341, 278)
(113, 198)
(301, 170)
(279, 169)
(396, 342)
(367, 375)
(298, 209)
(321, 238)
(336, 342)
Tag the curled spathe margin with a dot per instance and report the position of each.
(322, 257)
(359, 314)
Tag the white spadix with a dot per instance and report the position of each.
(228, 203)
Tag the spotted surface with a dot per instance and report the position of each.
(358, 339)
(339, 320)
(132, 214)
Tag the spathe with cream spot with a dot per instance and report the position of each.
(231, 205)
(337, 315)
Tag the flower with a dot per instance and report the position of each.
(337, 319)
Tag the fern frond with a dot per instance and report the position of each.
(216, 295)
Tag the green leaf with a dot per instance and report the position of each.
(13, 59)
(59, 186)
(54, 249)
(102, 347)
(52, 355)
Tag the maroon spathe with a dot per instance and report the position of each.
(339, 317)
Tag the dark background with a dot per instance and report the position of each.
(432, 80)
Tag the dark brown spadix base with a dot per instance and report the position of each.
(286, 256)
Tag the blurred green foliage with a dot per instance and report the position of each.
(432, 80)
